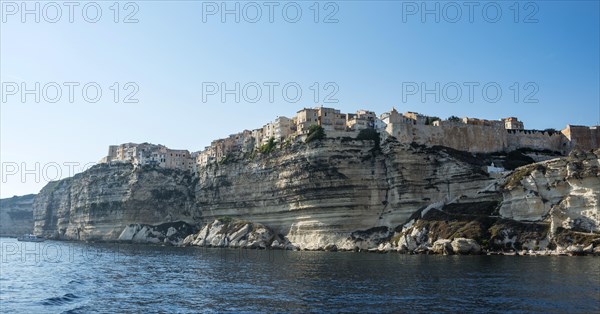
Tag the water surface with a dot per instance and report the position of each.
(79, 278)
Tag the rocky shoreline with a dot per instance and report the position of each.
(239, 234)
(227, 233)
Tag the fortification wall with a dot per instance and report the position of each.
(474, 138)
(490, 139)
(539, 140)
(471, 138)
(583, 137)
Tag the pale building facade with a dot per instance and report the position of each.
(512, 123)
(150, 154)
(331, 119)
(283, 128)
(305, 118)
(483, 122)
(360, 120)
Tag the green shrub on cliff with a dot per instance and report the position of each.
(430, 120)
(520, 173)
(315, 132)
(225, 159)
(287, 143)
(225, 219)
(454, 119)
(269, 147)
(368, 134)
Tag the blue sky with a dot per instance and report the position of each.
(373, 49)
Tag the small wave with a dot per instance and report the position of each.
(79, 309)
(69, 297)
(75, 282)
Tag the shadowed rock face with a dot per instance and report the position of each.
(16, 215)
(332, 193)
(99, 203)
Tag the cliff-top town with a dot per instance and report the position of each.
(466, 134)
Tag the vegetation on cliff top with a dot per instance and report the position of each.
(225, 219)
(430, 120)
(268, 147)
(515, 179)
(370, 135)
(315, 132)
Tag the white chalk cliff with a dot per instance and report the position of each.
(331, 194)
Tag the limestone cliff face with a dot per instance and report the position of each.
(334, 193)
(16, 215)
(318, 194)
(553, 204)
(99, 203)
(315, 194)
(564, 192)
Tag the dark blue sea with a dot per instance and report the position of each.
(67, 277)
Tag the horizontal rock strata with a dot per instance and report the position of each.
(336, 194)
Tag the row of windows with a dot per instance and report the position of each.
(179, 155)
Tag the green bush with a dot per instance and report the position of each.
(287, 143)
(368, 134)
(315, 132)
(225, 219)
(454, 119)
(225, 159)
(371, 135)
(269, 147)
(430, 120)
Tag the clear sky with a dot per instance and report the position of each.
(373, 55)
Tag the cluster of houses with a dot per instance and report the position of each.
(150, 154)
(469, 134)
(334, 123)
